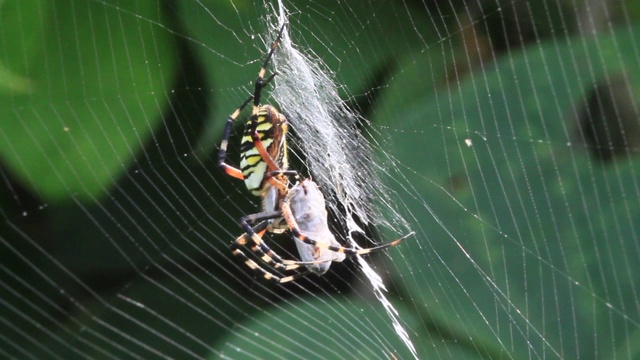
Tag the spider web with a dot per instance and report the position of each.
(504, 133)
(335, 149)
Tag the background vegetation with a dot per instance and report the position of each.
(101, 101)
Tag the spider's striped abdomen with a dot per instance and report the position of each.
(271, 127)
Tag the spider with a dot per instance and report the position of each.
(304, 212)
(264, 169)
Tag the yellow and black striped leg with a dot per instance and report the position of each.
(259, 247)
(295, 231)
(267, 275)
(259, 82)
(262, 251)
(222, 154)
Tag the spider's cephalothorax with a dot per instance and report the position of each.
(270, 127)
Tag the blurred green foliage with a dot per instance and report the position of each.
(90, 90)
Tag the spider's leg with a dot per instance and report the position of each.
(274, 170)
(267, 275)
(295, 230)
(282, 172)
(259, 247)
(222, 154)
(259, 86)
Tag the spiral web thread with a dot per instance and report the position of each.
(337, 154)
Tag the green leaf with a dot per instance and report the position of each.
(154, 315)
(529, 273)
(86, 82)
(334, 328)
(229, 39)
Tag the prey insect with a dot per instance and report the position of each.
(305, 215)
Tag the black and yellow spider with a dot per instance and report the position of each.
(305, 215)
(264, 170)
(301, 209)
(263, 157)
